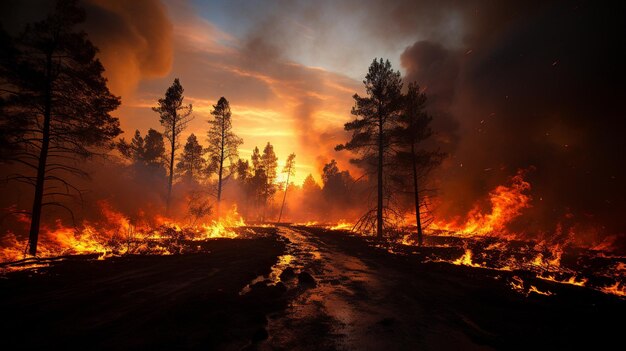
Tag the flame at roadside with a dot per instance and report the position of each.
(116, 234)
(507, 203)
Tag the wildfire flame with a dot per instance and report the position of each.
(507, 203)
(342, 225)
(116, 235)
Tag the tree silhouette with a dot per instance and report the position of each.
(223, 143)
(269, 164)
(289, 169)
(264, 168)
(56, 107)
(191, 163)
(154, 150)
(336, 183)
(244, 174)
(146, 155)
(312, 200)
(258, 179)
(376, 115)
(414, 128)
(133, 151)
(174, 117)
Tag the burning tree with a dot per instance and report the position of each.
(414, 128)
(223, 143)
(289, 169)
(376, 117)
(56, 107)
(174, 117)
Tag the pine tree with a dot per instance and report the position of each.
(376, 115)
(154, 150)
(56, 107)
(174, 117)
(265, 174)
(223, 144)
(191, 163)
(289, 169)
(414, 128)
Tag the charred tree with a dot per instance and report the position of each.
(223, 144)
(289, 169)
(56, 107)
(376, 115)
(174, 117)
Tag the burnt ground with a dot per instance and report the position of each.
(303, 289)
(188, 301)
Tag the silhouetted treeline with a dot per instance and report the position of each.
(55, 118)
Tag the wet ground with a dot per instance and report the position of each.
(296, 288)
(369, 299)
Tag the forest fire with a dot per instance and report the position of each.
(234, 178)
(507, 202)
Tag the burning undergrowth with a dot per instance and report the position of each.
(484, 238)
(117, 235)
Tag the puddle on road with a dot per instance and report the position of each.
(300, 254)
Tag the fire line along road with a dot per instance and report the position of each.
(296, 288)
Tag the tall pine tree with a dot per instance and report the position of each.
(223, 144)
(289, 169)
(412, 130)
(174, 117)
(56, 106)
(376, 116)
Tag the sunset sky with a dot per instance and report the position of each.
(289, 69)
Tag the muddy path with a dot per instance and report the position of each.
(365, 298)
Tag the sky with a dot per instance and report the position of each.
(512, 85)
(288, 68)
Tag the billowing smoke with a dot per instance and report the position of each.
(541, 92)
(134, 38)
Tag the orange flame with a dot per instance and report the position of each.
(117, 235)
(507, 203)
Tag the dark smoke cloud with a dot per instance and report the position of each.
(543, 92)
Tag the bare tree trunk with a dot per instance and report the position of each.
(379, 210)
(41, 167)
(284, 196)
(418, 219)
(171, 178)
